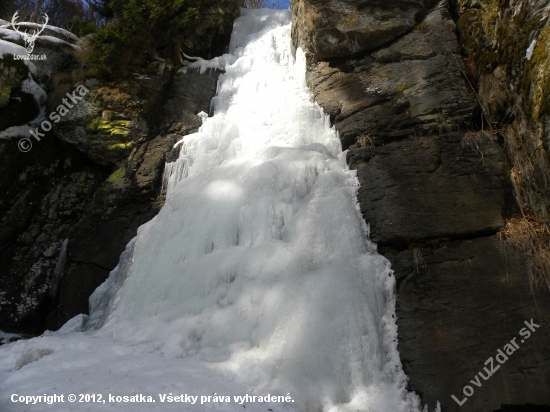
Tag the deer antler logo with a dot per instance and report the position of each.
(29, 39)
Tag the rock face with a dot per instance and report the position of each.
(340, 28)
(436, 192)
(89, 183)
(459, 303)
(128, 198)
(507, 49)
(434, 187)
(44, 193)
(413, 86)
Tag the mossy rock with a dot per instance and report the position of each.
(16, 107)
(109, 150)
(472, 27)
(113, 128)
(495, 37)
(117, 179)
(536, 79)
(12, 73)
(113, 189)
(109, 141)
(120, 146)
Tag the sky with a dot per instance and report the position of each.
(283, 4)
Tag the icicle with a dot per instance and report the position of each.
(59, 266)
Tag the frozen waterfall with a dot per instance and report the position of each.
(257, 276)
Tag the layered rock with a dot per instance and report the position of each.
(414, 86)
(342, 28)
(436, 192)
(434, 187)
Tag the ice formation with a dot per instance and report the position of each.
(256, 276)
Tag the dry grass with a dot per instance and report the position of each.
(66, 81)
(475, 140)
(494, 96)
(418, 259)
(529, 238)
(365, 140)
(111, 97)
(530, 167)
(528, 235)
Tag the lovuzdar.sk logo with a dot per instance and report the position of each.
(29, 38)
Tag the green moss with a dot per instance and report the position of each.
(536, 78)
(115, 127)
(493, 37)
(472, 34)
(93, 125)
(112, 189)
(119, 146)
(512, 38)
(116, 175)
(117, 180)
(5, 92)
(12, 73)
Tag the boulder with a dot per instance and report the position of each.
(339, 28)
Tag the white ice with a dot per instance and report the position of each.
(9, 35)
(5, 337)
(530, 50)
(31, 87)
(256, 276)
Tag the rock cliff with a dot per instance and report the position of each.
(71, 204)
(415, 104)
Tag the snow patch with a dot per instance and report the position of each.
(25, 24)
(5, 337)
(14, 49)
(31, 354)
(530, 49)
(31, 87)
